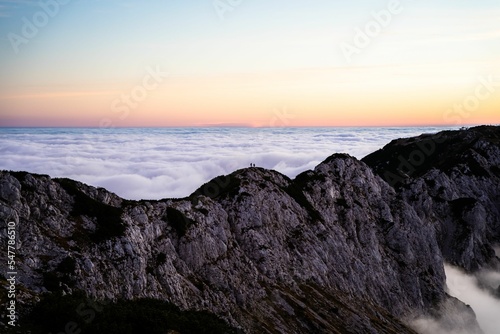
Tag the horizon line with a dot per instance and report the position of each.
(248, 127)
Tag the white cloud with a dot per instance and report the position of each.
(465, 287)
(433, 326)
(473, 290)
(160, 163)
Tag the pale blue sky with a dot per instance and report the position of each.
(98, 43)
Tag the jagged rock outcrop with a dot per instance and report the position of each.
(452, 179)
(336, 250)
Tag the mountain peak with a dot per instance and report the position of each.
(474, 151)
(336, 249)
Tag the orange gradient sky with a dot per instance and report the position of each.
(258, 64)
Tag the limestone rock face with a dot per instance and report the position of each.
(452, 179)
(336, 250)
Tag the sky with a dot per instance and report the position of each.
(127, 63)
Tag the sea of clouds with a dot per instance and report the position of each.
(155, 163)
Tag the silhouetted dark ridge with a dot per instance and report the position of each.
(452, 180)
(448, 151)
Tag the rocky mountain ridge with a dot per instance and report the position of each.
(335, 250)
(454, 183)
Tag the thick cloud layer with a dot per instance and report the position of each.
(475, 290)
(161, 163)
(467, 289)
